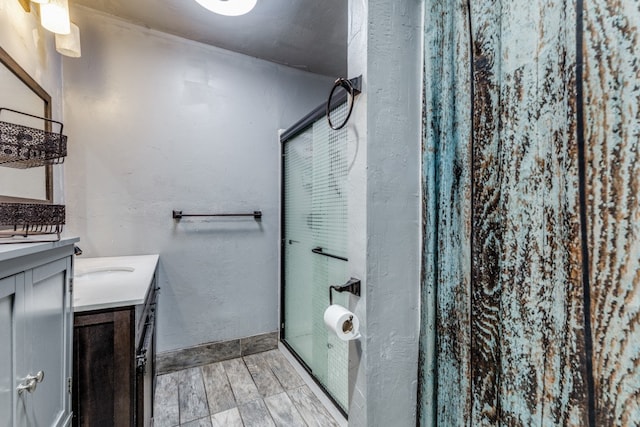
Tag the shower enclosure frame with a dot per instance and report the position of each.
(293, 131)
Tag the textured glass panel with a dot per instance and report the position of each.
(315, 209)
(298, 258)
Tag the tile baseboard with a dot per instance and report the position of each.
(204, 354)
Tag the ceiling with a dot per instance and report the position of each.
(307, 34)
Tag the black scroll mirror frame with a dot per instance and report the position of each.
(24, 77)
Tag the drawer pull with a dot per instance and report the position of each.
(141, 354)
(31, 383)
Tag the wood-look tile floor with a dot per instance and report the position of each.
(253, 391)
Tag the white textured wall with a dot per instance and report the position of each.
(385, 45)
(160, 123)
(357, 187)
(22, 37)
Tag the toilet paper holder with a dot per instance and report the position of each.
(352, 286)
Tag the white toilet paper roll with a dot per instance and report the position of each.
(342, 322)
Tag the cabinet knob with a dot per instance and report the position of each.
(30, 383)
(38, 377)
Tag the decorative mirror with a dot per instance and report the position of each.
(20, 92)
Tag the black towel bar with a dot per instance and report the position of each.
(255, 214)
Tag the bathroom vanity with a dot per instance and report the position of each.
(35, 333)
(114, 340)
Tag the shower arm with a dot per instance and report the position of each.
(352, 286)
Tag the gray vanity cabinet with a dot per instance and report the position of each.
(35, 336)
(9, 299)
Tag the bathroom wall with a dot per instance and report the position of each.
(357, 209)
(160, 123)
(22, 37)
(385, 40)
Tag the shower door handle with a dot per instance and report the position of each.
(318, 250)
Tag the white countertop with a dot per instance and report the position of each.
(14, 250)
(108, 284)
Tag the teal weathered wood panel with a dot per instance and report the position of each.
(502, 264)
(486, 232)
(447, 215)
(542, 356)
(527, 297)
(612, 136)
(512, 90)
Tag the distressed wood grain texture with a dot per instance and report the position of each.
(282, 369)
(256, 414)
(283, 411)
(612, 138)
(228, 418)
(191, 395)
(166, 404)
(528, 346)
(202, 422)
(486, 287)
(445, 391)
(217, 387)
(502, 258)
(310, 408)
(542, 377)
(242, 385)
(486, 232)
(263, 377)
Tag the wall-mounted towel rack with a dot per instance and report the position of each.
(257, 215)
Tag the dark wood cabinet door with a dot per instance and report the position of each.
(104, 375)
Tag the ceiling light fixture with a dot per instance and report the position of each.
(69, 44)
(54, 16)
(228, 7)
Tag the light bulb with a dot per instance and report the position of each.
(228, 7)
(54, 16)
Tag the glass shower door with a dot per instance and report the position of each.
(315, 225)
